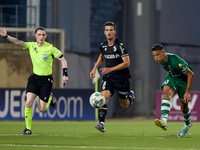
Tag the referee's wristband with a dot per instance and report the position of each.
(5, 36)
(65, 72)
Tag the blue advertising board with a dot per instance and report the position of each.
(71, 105)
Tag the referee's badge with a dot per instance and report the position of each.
(45, 57)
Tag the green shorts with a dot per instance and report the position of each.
(178, 86)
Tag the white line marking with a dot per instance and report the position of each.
(44, 135)
(93, 147)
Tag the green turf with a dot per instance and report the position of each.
(74, 135)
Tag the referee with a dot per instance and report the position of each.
(41, 81)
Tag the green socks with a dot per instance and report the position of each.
(28, 117)
(48, 103)
(186, 117)
(165, 109)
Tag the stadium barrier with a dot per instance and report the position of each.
(71, 105)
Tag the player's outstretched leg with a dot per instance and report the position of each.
(26, 132)
(184, 130)
(131, 97)
(100, 126)
(161, 124)
(165, 109)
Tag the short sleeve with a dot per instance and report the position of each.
(182, 67)
(122, 50)
(27, 47)
(56, 53)
(100, 48)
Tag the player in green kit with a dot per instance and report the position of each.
(40, 83)
(179, 80)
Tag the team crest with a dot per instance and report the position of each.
(114, 48)
(180, 65)
(45, 57)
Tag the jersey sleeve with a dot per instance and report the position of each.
(56, 53)
(122, 50)
(182, 66)
(28, 45)
(100, 48)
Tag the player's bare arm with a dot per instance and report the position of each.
(190, 78)
(124, 64)
(98, 63)
(64, 65)
(11, 39)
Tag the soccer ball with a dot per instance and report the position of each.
(97, 100)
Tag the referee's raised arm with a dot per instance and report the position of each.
(4, 34)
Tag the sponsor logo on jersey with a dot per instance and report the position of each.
(113, 56)
(182, 67)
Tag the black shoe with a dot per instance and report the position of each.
(53, 101)
(132, 96)
(26, 132)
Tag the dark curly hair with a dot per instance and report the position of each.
(157, 47)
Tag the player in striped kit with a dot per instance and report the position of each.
(179, 80)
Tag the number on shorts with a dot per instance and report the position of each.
(166, 81)
(104, 85)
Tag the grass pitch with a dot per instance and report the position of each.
(76, 135)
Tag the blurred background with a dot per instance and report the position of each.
(76, 27)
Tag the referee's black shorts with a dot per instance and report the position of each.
(40, 85)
